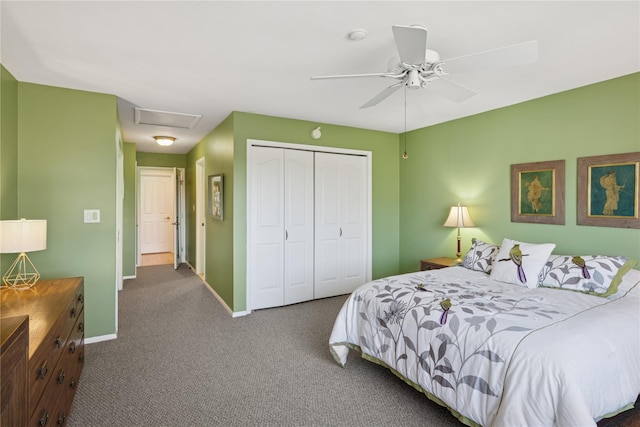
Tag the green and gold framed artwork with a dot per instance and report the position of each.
(537, 192)
(608, 190)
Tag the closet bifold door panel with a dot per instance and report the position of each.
(340, 223)
(298, 224)
(281, 192)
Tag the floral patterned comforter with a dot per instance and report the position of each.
(464, 340)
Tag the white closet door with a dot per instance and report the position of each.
(341, 221)
(298, 220)
(267, 223)
(281, 255)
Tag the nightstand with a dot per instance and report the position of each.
(436, 263)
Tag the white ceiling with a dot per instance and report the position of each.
(214, 57)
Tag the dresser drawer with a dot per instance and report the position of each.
(14, 364)
(41, 367)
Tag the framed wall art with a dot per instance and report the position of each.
(537, 192)
(216, 197)
(608, 190)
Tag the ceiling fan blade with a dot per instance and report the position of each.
(450, 90)
(348, 76)
(382, 95)
(411, 42)
(517, 54)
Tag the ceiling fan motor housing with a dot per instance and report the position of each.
(413, 79)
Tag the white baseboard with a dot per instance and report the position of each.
(100, 338)
(129, 277)
(224, 304)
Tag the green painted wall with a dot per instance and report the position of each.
(161, 160)
(67, 163)
(129, 212)
(8, 154)
(225, 152)
(468, 161)
(220, 255)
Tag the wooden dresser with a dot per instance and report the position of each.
(56, 346)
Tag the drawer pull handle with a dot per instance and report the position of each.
(61, 377)
(42, 371)
(72, 347)
(81, 299)
(72, 383)
(73, 312)
(81, 358)
(58, 342)
(61, 419)
(80, 327)
(44, 418)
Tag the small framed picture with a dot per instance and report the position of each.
(216, 197)
(537, 192)
(608, 190)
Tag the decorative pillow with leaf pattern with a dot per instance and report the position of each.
(594, 274)
(481, 256)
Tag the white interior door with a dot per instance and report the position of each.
(177, 217)
(266, 251)
(282, 221)
(200, 215)
(298, 221)
(340, 223)
(156, 211)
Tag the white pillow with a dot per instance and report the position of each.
(520, 270)
(481, 256)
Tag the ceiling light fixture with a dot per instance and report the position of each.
(165, 141)
(357, 35)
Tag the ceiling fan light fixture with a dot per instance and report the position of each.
(165, 141)
(431, 56)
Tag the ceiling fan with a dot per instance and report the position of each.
(419, 67)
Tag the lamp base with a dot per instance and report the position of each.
(21, 275)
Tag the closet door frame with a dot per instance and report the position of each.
(315, 148)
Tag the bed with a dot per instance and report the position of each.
(561, 347)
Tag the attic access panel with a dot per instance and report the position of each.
(165, 118)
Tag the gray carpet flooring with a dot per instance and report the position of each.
(181, 360)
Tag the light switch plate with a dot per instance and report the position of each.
(91, 215)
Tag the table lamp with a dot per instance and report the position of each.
(22, 236)
(459, 218)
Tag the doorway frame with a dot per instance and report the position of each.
(171, 171)
(315, 148)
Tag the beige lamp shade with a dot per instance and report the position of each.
(459, 217)
(23, 235)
